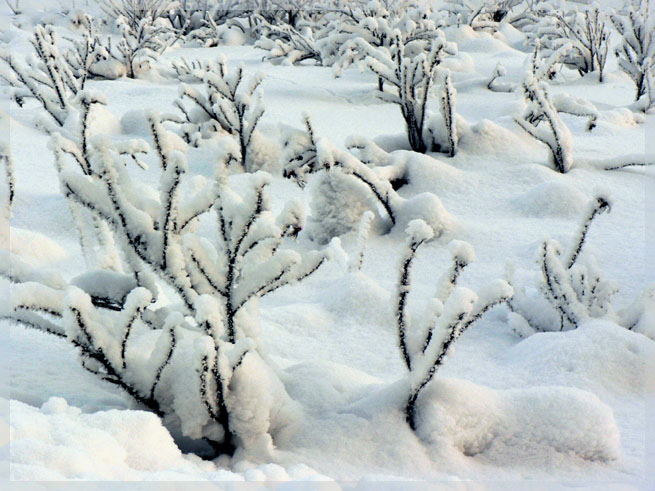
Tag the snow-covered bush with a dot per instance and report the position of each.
(208, 21)
(409, 66)
(230, 105)
(289, 12)
(134, 11)
(553, 132)
(587, 32)
(46, 77)
(305, 154)
(484, 14)
(141, 44)
(56, 72)
(376, 23)
(187, 16)
(191, 71)
(454, 309)
(87, 51)
(351, 186)
(636, 50)
(299, 30)
(194, 360)
(541, 112)
(288, 44)
(573, 288)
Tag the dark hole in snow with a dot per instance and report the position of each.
(499, 15)
(399, 182)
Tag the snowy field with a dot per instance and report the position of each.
(509, 408)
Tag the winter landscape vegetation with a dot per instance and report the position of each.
(339, 242)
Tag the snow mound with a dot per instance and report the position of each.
(533, 426)
(551, 199)
(426, 207)
(110, 69)
(34, 248)
(463, 425)
(468, 39)
(599, 356)
(324, 385)
(618, 117)
(358, 296)
(490, 139)
(58, 442)
(103, 122)
(135, 122)
(105, 284)
(427, 174)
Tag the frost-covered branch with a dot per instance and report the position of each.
(447, 100)
(453, 310)
(598, 206)
(8, 167)
(46, 77)
(96, 240)
(14, 6)
(362, 238)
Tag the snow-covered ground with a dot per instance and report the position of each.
(575, 408)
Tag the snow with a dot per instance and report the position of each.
(553, 198)
(58, 442)
(327, 384)
(105, 284)
(539, 424)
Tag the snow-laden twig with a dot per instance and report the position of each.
(599, 206)
(447, 100)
